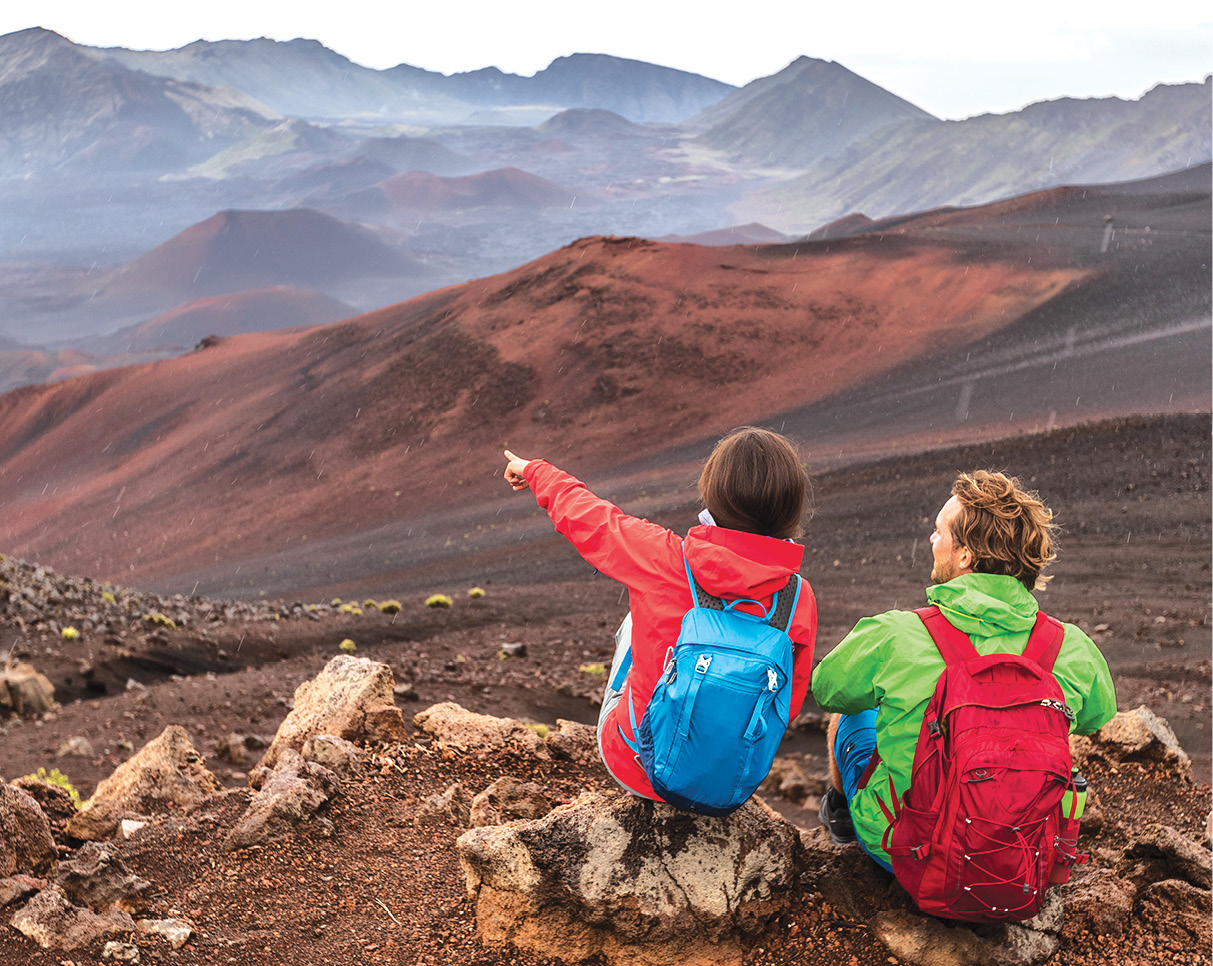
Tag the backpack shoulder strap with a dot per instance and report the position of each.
(1044, 643)
(702, 597)
(953, 644)
(786, 604)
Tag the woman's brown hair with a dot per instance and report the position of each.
(755, 482)
(1007, 529)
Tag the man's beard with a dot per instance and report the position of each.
(942, 572)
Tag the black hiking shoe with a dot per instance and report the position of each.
(836, 817)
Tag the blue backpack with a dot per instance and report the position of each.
(711, 730)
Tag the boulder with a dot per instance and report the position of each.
(103, 820)
(1137, 735)
(1160, 852)
(925, 941)
(54, 800)
(631, 881)
(1177, 909)
(14, 890)
(167, 772)
(508, 799)
(455, 725)
(846, 878)
(452, 807)
(789, 779)
(573, 741)
(26, 844)
(1098, 901)
(51, 921)
(25, 692)
(351, 698)
(95, 877)
(343, 758)
(291, 795)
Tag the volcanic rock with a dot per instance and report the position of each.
(25, 692)
(1137, 735)
(573, 740)
(343, 758)
(630, 880)
(351, 698)
(25, 834)
(455, 725)
(290, 795)
(52, 921)
(508, 799)
(167, 772)
(453, 806)
(1163, 853)
(1098, 901)
(176, 931)
(915, 938)
(95, 877)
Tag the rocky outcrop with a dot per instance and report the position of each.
(632, 881)
(96, 878)
(352, 698)
(573, 741)
(1137, 735)
(507, 800)
(455, 725)
(53, 922)
(26, 844)
(290, 796)
(452, 807)
(24, 692)
(343, 758)
(167, 772)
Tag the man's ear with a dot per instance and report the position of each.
(965, 559)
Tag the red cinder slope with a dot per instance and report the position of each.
(602, 352)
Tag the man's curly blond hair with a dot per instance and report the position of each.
(1006, 528)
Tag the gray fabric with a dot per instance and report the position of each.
(610, 696)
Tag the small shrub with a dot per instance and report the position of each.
(157, 618)
(438, 600)
(335, 602)
(370, 604)
(69, 633)
(476, 593)
(56, 777)
(348, 646)
(109, 598)
(390, 607)
(593, 670)
(351, 609)
(540, 729)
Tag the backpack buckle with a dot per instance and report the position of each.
(701, 665)
(772, 680)
(933, 729)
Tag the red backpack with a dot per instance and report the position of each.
(980, 834)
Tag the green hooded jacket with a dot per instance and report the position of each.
(890, 663)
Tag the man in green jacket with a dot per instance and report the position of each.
(991, 542)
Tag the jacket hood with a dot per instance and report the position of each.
(985, 604)
(733, 563)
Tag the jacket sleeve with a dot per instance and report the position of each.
(845, 680)
(626, 548)
(1092, 694)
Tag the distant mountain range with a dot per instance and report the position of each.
(113, 160)
(305, 79)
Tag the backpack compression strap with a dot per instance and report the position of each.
(1044, 642)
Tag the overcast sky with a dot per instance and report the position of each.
(953, 58)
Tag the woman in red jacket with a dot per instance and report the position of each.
(754, 489)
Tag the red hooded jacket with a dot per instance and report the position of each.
(649, 560)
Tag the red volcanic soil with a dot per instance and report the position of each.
(275, 307)
(502, 188)
(234, 251)
(604, 352)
